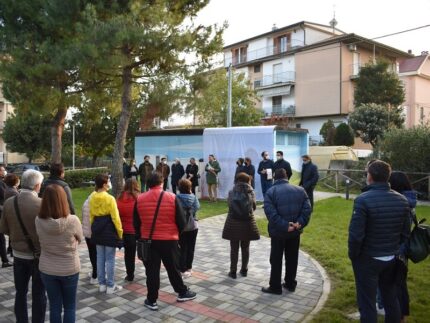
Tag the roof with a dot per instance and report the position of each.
(277, 30)
(171, 132)
(412, 64)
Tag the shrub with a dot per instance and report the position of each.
(327, 132)
(343, 135)
(76, 178)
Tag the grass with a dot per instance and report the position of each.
(325, 239)
(207, 209)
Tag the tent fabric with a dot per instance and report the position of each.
(247, 142)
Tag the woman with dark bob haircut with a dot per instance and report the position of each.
(12, 182)
(240, 226)
(59, 234)
(399, 182)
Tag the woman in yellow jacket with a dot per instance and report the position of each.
(106, 233)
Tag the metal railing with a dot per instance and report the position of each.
(263, 52)
(272, 79)
(282, 110)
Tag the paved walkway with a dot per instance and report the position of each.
(220, 298)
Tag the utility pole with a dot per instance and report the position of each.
(229, 96)
(73, 144)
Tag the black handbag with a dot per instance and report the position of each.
(144, 245)
(419, 242)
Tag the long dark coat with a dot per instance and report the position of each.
(241, 230)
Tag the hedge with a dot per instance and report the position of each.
(77, 177)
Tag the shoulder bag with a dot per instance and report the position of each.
(27, 237)
(144, 245)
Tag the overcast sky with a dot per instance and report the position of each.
(367, 18)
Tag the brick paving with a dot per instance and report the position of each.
(219, 298)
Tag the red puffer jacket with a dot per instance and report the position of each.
(165, 226)
(125, 208)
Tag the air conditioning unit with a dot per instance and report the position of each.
(352, 47)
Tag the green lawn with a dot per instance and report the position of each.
(207, 209)
(325, 239)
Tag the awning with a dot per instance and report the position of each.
(275, 91)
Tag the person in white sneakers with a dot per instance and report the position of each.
(106, 233)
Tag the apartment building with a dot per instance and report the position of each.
(304, 73)
(415, 74)
(7, 157)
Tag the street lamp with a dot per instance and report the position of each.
(73, 145)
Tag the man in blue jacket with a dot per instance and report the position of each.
(379, 225)
(288, 211)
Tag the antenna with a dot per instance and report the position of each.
(333, 22)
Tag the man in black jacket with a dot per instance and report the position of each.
(265, 169)
(379, 225)
(309, 177)
(57, 177)
(177, 173)
(282, 163)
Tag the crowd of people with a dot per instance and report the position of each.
(161, 226)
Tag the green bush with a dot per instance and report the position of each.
(343, 135)
(76, 178)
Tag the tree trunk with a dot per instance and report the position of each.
(124, 120)
(57, 134)
(94, 160)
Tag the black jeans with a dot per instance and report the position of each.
(369, 274)
(310, 192)
(279, 248)
(3, 253)
(234, 254)
(129, 254)
(92, 251)
(165, 184)
(23, 270)
(174, 188)
(168, 252)
(187, 242)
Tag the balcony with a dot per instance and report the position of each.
(262, 52)
(355, 70)
(282, 110)
(275, 79)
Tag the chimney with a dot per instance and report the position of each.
(410, 51)
(274, 27)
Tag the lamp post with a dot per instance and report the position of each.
(229, 96)
(73, 145)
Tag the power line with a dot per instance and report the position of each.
(401, 32)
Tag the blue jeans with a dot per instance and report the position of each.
(106, 265)
(61, 293)
(23, 269)
(265, 185)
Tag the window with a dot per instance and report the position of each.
(281, 43)
(257, 68)
(280, 139)
(239, 55)
(257, 83)
(298, 125)
(277, 73)
(293, 140)
(277, 100)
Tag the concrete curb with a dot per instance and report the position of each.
(325, 291)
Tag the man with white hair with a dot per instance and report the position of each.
(18, 221)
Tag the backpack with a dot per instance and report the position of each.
(189, 216)
(240, 206)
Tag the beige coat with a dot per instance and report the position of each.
(29, 206)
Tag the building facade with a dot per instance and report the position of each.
(304, 73)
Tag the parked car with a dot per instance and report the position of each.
(21, 168)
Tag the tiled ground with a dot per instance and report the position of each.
(220, 298)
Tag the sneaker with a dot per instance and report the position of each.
(6, 264)
(114, 289)
(93, 281)
(102, 288)
(187, 296)
(186, 274)
(151, 306)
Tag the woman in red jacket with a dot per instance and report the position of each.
(125, 203)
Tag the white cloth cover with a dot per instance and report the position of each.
(228, 144)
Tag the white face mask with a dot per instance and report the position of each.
(164, 162)
(306, 162)
(5, 172)
(278, 157)
(109, 185)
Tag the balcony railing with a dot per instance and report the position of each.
(273, 79)
(263, 52)
(282, 110)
